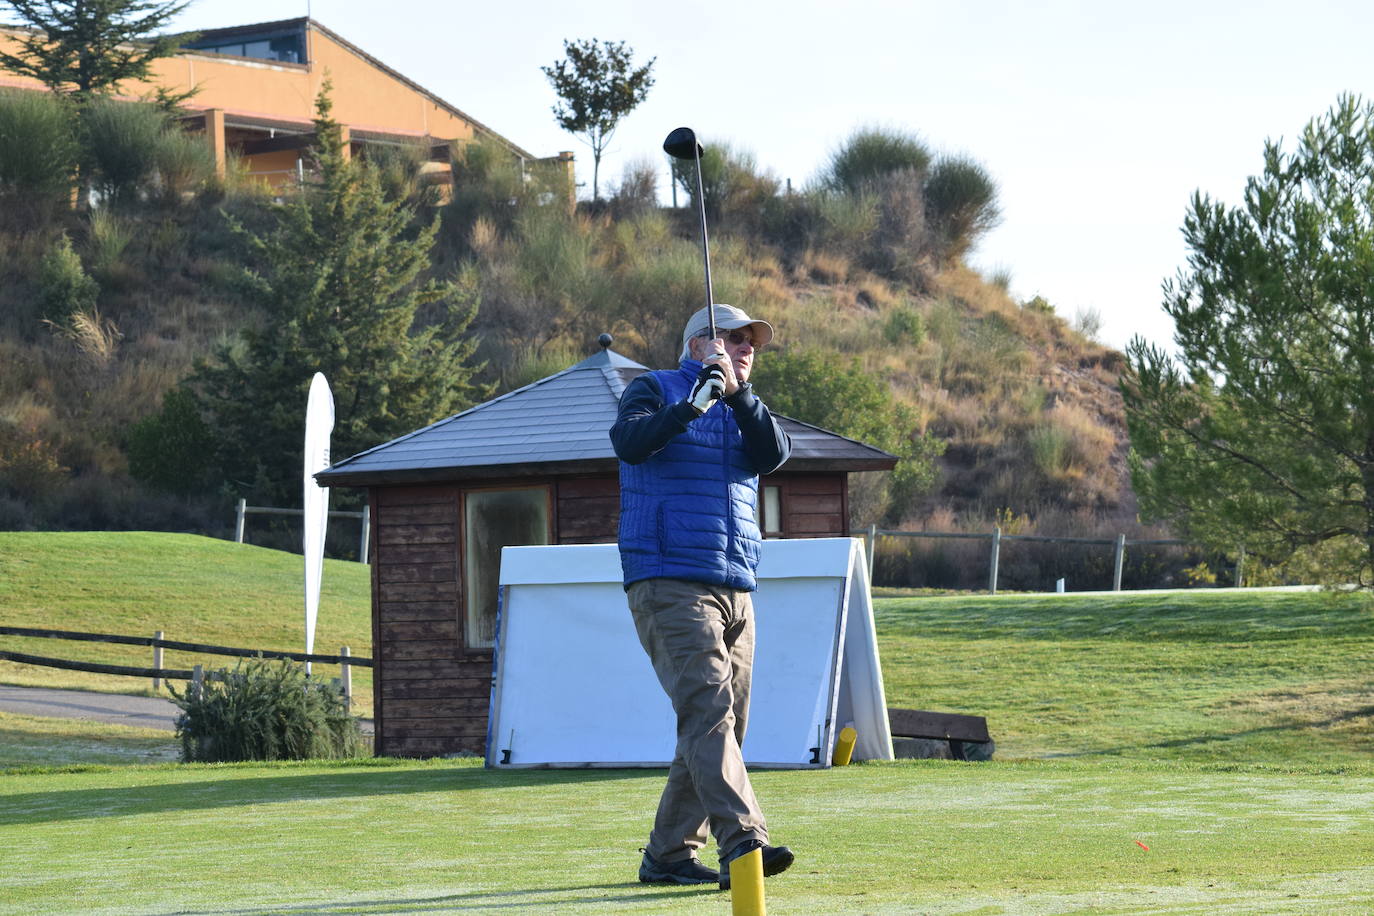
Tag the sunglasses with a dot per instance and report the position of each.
(733, 338)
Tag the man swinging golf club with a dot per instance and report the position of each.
(692, 443)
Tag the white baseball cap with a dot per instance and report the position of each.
(728, 318)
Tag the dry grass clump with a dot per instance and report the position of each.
(824, 266)
(1071, 448)
(93, 336)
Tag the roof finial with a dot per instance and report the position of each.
(605, 341)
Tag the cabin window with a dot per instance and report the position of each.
(493, 519)
(770, 511)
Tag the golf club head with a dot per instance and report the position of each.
(682, 144)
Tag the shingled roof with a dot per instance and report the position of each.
(557, 425)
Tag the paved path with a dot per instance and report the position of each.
(142, 712)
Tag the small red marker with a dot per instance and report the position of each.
(1142, 846)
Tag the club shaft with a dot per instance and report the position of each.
(705, 246)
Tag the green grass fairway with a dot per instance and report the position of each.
(195, 589)
(920, 837)
(27, 741)
(1254, 677)
(1230, 732)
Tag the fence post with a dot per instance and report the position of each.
(1120, 559)
(346, 675)
(1240, 568)
(157, 660)
(367, 531)
(197, 681)
(872, 551)
(238, 525)
(996, 550)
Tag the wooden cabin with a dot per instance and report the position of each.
(534, 466)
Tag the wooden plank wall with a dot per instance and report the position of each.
(813, 505)
(588, 510)
(431, 694)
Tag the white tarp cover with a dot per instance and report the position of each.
(573, 687)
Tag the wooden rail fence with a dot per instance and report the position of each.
(345, 660)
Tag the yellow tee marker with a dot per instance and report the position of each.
(746, 885)
(844, 747)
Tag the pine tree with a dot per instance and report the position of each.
(1260, 431)
(341, 280)
(84, 48)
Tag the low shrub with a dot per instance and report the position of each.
(265, 710)
(172, 449)
(869, 154)
(736, 190)
(63, 284)
(122, 141)
(637, 191)
(904, 327)
(109, 236)
(30, 467)
(184, 165)
(1049, 448)
(961, 198)
(38, 153)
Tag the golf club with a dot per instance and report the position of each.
(682, 144)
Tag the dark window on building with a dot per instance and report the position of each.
(288, 49)
(493, 519)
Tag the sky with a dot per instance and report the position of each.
(1097, 120)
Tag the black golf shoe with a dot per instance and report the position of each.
(685, 871)
(776, 860)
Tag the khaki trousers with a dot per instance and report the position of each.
(700, 639)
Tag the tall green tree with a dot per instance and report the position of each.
(342, 282)
(84, 48)
(597, 86)
(1260, 430)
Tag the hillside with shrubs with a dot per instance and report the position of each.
(156, 346)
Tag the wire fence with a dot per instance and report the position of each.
(879, 551)
(244, 510)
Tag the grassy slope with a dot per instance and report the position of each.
(195, 589)
(1263, 677)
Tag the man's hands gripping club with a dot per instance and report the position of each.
(710, 384)
(718, 378)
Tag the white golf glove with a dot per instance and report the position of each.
(710, 385)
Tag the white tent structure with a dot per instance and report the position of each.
(573, 688)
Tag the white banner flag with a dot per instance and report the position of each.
(319, 422)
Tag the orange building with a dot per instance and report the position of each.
(255, 90)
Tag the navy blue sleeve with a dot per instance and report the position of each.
(644, 424)
(765, 442)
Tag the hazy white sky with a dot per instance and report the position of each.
(1097, 120)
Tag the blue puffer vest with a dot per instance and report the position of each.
(688, 511)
